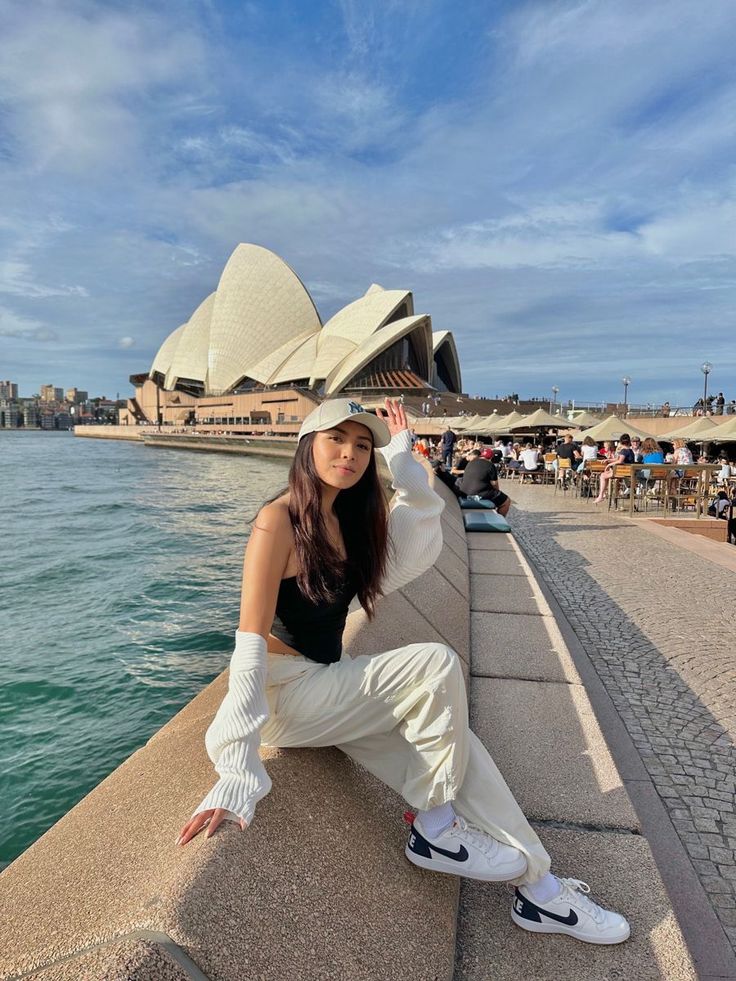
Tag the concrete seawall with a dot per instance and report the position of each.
(318, 888)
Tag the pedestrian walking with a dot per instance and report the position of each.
(448, 447)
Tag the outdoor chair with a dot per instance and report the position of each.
(590, 478)
(683, 491)
(564, 474)
(533, 474)
(618, 486)
(655, 488)
(549, 468)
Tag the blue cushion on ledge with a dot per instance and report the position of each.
(475, 502)
(485, 521)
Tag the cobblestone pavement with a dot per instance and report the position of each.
(658, 624)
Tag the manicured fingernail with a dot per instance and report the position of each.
(177, 840)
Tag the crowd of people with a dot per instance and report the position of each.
(471, 467)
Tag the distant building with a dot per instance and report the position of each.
(30, 414)
(76, 395)
(49, 393)
(256, 350)
(10, 415)
(46, 420)
(8, 390)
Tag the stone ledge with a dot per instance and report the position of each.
(546, 741)
(517, 645)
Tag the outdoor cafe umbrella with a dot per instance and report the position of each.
(471, 422)
(542, 418)
(725, 433)
(504, 424)
(612, 428)
(486, 425)
(700, 431)
(584, 420)
(495, 425)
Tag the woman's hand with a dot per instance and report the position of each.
(192, 828)
(394, 416)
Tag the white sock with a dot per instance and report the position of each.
(436, 820)
(544, 889)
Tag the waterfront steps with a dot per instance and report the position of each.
(105, 892)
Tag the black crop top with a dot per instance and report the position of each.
(313, 629)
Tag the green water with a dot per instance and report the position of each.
(120, 570)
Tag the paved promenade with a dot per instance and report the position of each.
(657, 622)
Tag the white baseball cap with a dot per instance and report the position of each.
(334, 411)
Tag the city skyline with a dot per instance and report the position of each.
(557, 191)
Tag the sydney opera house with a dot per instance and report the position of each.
(255, 352)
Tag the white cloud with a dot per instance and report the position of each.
(126, 342)
(13, 325)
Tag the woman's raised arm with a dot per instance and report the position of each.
(415, 530)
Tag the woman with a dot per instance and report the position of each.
(651, 452)
(588, 451)
(683, 457)
(624, 455)
(403, 714)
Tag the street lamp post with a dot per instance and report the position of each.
(553, 401)
(706, 367)
(626, 382)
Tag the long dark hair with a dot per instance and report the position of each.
(363, 515)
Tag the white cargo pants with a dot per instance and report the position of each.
(403, 715)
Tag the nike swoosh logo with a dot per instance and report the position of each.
(459, 856)
(571, 919)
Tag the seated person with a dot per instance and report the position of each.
(720, 507)
(481, 480)
(624, 455)
(460, 464)
(651, 452)
(530, 458)
(588, 452)
(447, 479)
(727, 469)
(568, 450)
(683, 457)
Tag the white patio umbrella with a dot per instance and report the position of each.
(541, 418)
(612, 428)
(699, 431)
(584, 420)
(725, 433)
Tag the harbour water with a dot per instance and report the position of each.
(120, 570)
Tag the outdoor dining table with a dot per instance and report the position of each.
(702, 487)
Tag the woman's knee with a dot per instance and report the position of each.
(441, 658)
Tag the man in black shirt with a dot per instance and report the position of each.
(569, 451)
(481, 480)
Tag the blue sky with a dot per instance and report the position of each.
(555, 181)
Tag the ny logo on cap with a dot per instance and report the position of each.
(354, 407)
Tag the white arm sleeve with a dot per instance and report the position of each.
(415, 530)
(233, 737)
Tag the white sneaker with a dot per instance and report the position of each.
(465, 850)
(571, 912)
